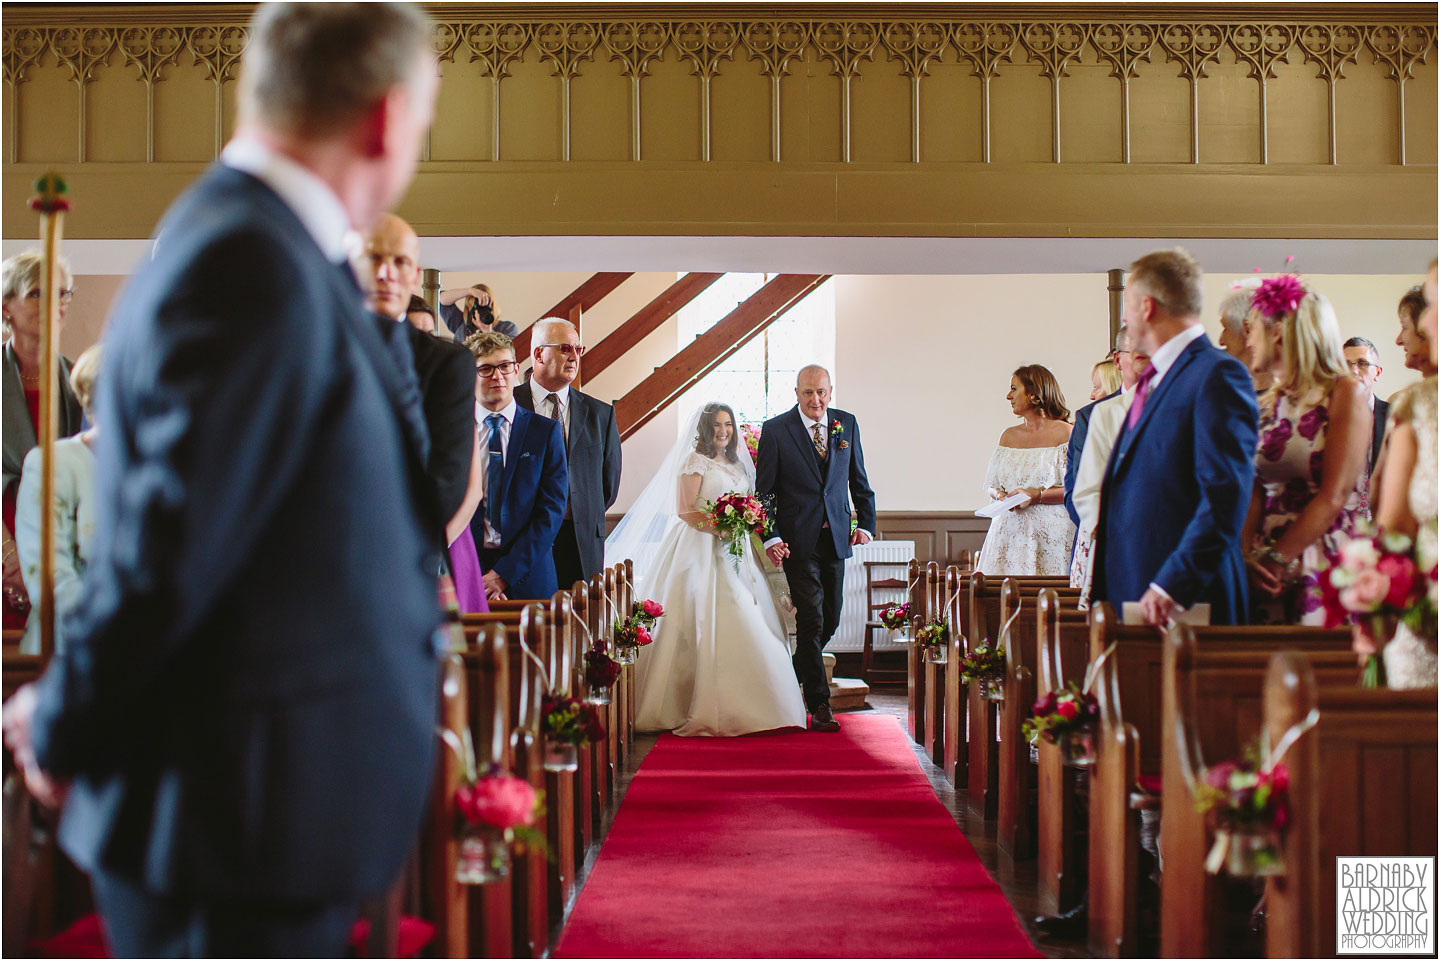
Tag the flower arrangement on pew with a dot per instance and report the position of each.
(1377, 582)
(735, 517)
(567, 722)
(933, 640)
(896, 617)
(1249, 803)
(601, 673)
(493, 811)
(751, 435)
(1066, 718)
(985, 666)
(633, 632)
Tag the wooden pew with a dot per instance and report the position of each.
(560, 785)
(1212, 710)
(1362, 783)
(1128, 741)
(1062, 654)
(603, 759)
(584, 793)
(625, 575)
(943, 590)
(915, 667)
(614, 720)
(1017, 787)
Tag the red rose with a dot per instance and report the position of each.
(1401, 572)
(500, 801)
(1280, 779)
(642, 636)
(1067, 710)
(652, 609)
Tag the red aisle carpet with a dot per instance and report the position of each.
(788, 846)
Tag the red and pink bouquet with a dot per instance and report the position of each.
(751, 434)
(601, 670)
(895, 617)
(1250, 804)
(493, 810)
(500, 801)
(1061, 712)
(735, 517)
(647, 612)
(569, 720)
(1377, 581)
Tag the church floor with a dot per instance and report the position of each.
(1017, 884)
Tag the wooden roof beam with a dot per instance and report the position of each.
(645, 322)
(581, 299)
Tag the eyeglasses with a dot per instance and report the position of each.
(569, 350)
(490, 370)
(1358, 365)
(65, 295)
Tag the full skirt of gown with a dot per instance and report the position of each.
(720, 662)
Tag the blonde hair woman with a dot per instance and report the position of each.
(1104, 379)
(74, 509)
(20, 410)
(1315, 428)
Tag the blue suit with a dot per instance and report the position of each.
(1178, 486)
(533, 491)
(1073, 452)
(247, 697)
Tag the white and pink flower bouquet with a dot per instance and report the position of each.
(751, 435)
(735, 517)
(1376, 582)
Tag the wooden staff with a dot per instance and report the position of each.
(49, 201)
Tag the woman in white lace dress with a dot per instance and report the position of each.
(720, 662)
(1034, 537)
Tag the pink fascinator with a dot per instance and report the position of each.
(1278, 296)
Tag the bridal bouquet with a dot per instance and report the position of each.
(1379, 580)
(735, 517)
(751, 434)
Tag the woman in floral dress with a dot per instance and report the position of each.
(1310, 494)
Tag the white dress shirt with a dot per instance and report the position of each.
(541, 398)
(482, 441)
(311, 198)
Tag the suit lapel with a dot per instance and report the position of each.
(1160, 394)
(802, 438)
(17, 413)
(516, 448)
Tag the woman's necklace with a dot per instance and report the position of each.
(29, 380)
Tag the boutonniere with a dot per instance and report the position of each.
(836, 429)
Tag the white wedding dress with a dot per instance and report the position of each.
(720, 662)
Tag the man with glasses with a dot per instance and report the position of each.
(525, 479)
(1364, 362)
(592, 444)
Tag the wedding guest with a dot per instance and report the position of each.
(1411, 338)
(74, 510)
(1104, 379)
(468, 311)
(1175, 491)
(1233, 311)
(592, 444)
(1035, 536)
(1363, 362)
(421, 316)
(526, 479)
(1121, 356)
(1409, 504)
(245, 707)
(445, 378)
(20, 281)
(1309, 495)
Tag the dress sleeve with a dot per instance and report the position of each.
(693, 463)
(993, 479)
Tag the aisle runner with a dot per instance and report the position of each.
(789, 846)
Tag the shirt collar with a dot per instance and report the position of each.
(1165, 356)
(809, 424)
(539, 393)
(508, 412)
(309, 197)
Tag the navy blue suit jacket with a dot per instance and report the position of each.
(1073, 452)
(806, 492)
(1177, 489)
(533, 490)
(248, 694)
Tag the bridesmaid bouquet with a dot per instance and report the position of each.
(735, 517)
(1377, 581)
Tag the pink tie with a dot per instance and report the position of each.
(1142, 391)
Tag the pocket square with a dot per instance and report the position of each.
(525, 455)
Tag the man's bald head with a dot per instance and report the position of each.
(392, 261)
(812, 391)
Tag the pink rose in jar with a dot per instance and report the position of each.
(1068, 710)
(642, 636)
(652, 609)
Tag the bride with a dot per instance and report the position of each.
(720, 662)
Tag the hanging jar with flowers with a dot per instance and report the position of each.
(1066, 718)
(601, 673)
(1249, 806)
(567, 723)
(494, 812)
(933, 639)
(985, 666)
(896, 617)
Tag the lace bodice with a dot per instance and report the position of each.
(716, 478)
(1034, 540)
(1012, 468)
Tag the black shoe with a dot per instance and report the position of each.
(822, 720)
(1066, 924)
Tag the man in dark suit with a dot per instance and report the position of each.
(245, 707)
(1364, 362)
(1179, 480)
(525, 480)
(592, 444)
(810, 468)
(445, 371)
